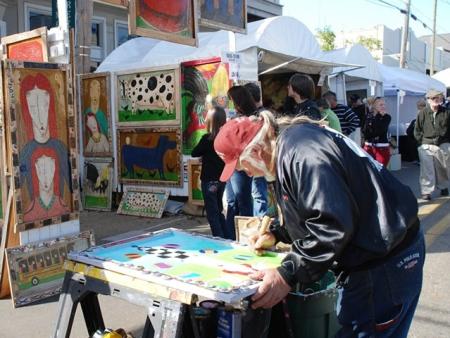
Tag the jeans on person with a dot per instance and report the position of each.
(259, 195)
(380, 301)
(212, 195)
(239, 200)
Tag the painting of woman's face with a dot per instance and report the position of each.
(91, 123)
(45, 169)
(38, 101)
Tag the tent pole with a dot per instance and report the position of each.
(398, 121)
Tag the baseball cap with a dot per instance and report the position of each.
(433, 93)
(232, 139)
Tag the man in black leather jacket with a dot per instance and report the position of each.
(338, 206)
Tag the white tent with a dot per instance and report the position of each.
(443, 76)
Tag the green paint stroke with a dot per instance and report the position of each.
(95, 201)
(146, 115)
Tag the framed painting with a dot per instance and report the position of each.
(144, 203)
(150, 156)
(28, 46)
(174, 21)
(204, 84)
(195, 194)
(96, 114)
(97, 185)
(36, 270)
(230, 15)
(42, 133)
(149, 98)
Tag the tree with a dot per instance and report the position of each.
(326, 37)
(371, 44)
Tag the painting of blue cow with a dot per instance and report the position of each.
(150, 156)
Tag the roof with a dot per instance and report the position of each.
(443, 76)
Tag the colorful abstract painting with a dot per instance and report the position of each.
(150, 156)
(195, 194)
(36, 270)
(174, 20)
(210, 267)
(148, 98)
(95, 95)
(43, 138)
(204, 84)
(27, 46)
(97, 186)
(143, 203)
(229, 15)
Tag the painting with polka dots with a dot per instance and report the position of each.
(143, 203)
(149, 97)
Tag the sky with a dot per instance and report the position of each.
(344, 15)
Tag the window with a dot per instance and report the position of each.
(37, 16)
(98, 38)
(120, 32)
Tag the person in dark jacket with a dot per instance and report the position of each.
(432, 133)
(339, 207)
(301, 89)
(212, 166)
(376, 132)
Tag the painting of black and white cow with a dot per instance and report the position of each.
(148, 91)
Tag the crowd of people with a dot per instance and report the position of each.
(339, 207)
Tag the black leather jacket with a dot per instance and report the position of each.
(337, 204)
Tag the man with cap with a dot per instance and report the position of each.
(374, 242)
(432, 133)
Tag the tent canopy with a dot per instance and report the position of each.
(268, 43)
(443, 76)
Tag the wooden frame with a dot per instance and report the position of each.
(154, 33)
(222, 22)
(143, 146)
(115, 3)
(97, 183)
(145, 200)
(245, 226)
(194, 182)
(59, 147)
(131, 87)
(103, 114)
(38, 36)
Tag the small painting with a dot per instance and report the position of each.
(97, 189)
(43, 138)
(195, 185)
(150, 156)
(36, 270)
(27, 46)
(174, 21)
(96, 114)
(143, 203)
(229, 15)
(148, 98)
(204, 84)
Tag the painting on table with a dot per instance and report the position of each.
(204, 84)
(36, 270)
(209, 267)
(174, 21)
(195, 195)
(97, 189)
(43, 137)
(145, 203)
(148, 97)
(96, 114)
(150, 156)
(26, 46)
(229, 15)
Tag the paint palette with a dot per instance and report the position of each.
(210, 267)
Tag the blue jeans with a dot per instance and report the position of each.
(212, 195)
(380, 302)
(259, 194)
(239, 200)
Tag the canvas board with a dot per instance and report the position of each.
(42, 134)
(144, 203)
(97, 185)
(174, 21)
(36, 270)
(95, 94)
(195, 194)
(230, 15)
(26, 46)
(150, 156)
(213, 268)
(148, 97)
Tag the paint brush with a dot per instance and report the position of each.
(263, 228)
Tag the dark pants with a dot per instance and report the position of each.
(259, 194)
(212, 195)
(380, 302)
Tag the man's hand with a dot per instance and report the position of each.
(260, 242)
(272, 290)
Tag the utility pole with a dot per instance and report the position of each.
(433, 43)
(405, 34)
(83, 36)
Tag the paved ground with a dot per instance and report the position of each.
(432, 318)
